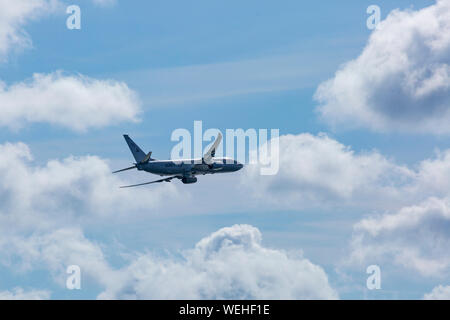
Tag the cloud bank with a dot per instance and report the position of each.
(401, 80)
(44, 210)
(231, 263)
(319, 171)
(410, 228)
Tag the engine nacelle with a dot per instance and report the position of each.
(187, 180)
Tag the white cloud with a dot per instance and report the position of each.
(55, 250)
(401, 80)
(433, 175)
(231, 263)
(318, 170)
(438, 293)
(415, 237)
(13, 16)
(77, 102)
(20, 294)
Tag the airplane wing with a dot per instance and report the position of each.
(156, 181)
(207, 158)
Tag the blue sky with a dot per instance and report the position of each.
(234, 64)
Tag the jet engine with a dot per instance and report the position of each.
(187, 180)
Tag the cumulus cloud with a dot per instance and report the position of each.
(20, 294)
(401, 80)
(438, 293)
(231, 263)
(316, 169)
(415, 237)
(74, 101)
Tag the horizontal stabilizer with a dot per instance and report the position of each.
(133, 167)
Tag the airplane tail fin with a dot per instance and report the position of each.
(137, 152)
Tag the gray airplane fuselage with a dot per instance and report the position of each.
(189, 167)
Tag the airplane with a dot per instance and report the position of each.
(185, 170)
